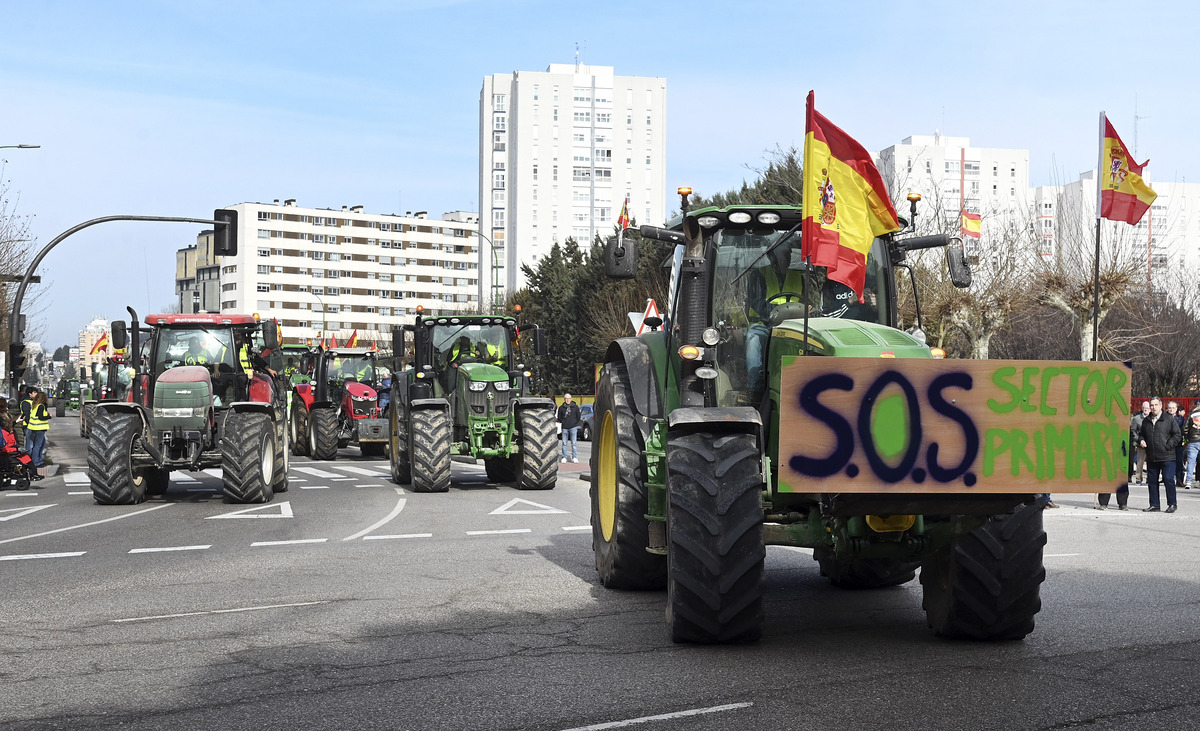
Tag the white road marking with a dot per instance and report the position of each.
(296, 479)
(76, 478)
(395, 511)
(215, 472)
(507, 508)
(86, 492)
(219, 611)
(1061, 555)
(182, 477)
(315, 472)
(405, 535)
(798, 549)
(42, 555)
(577, 527)
(662, 717)
(314, 487)
(357, 470)
(498, 532)
(169, 548)
(23, 494)
(18, 512)
(342, 479)
(285, 511)
(85, 525)
(289, 543)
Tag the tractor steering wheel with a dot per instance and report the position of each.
(787, 297)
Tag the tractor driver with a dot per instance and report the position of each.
(764, 288)
(458, 354)
(196, 354)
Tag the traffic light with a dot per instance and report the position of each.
(16, 353)
(225, 236)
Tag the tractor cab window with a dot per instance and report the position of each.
(471, 344)
(195, 346)
(352, 368)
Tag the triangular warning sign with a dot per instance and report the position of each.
(285, 511)
(18, 512)
(651, 311)
(537, 508)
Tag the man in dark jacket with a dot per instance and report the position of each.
(1159, 436)
(568, 416)
(1137, 455)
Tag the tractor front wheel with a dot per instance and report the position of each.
(282, 458)
(431, 450)
(539, 448)
(85, 421)
(115, 481)
(399, 457)
(715, 550)
(322, 434)
(986, 585)
(298, 427)
(248, 458)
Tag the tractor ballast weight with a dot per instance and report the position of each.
(464, 391)
(201, 397)
(339, 405)
(689, 483)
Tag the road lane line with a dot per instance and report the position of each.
(314, 487)
(218, 611)
(23, 493)
(577, 527)
(42, 555)
(85, 525)
(342, 479)
(498, 532)
(662, 717)
(76, 478)
(314, 471)
(289, 543)
(356, 470)
(86, 492)
(405, 535)
(169, 548)
(395, 511)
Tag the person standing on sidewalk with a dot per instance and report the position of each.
(1137, 454)
(36, 426)
(1160, 434)
(1191, 434)
(568, 416)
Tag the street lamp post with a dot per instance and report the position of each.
(324, 313)
(19, 147)
(495, 307)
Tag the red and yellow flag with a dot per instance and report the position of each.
(353, 341)
(623, 219)
(845, 203)
(1124, 196)
(972, 225)
(333, 342)
(101, 344)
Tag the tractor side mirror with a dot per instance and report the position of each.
(620, 258)
(120, 336)
(397, 341)
(270, 335)
(306, 363)
(539, 342)
(960, 270)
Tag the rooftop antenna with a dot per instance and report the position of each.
(576, 53)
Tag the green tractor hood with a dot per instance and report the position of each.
(482, 372)
(849, 338)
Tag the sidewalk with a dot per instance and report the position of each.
(65, 450)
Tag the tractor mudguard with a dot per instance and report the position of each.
(304, 391)
(425, 404)
(520, 404)
(122, 407)
(643, 374)
(743, 419)
(259, 407)
(261, 388)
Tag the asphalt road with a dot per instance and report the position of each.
(350, 602)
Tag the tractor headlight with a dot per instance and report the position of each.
(477, 385)
(502, 385)
(179, 413)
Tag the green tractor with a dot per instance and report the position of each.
(464, 393)
(109, 382)
(686, 487)
(206, 394)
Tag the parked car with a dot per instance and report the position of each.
(585, 423)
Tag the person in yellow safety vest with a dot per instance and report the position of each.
(196, 355)
(762, 290)
(37, 424)
(22, 421)
(487, 352)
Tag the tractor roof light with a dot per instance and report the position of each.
(257, 317)
(689, 352)
(710, 336)
(937, 352)
(769, 218)
(914, 197)
(420, 309)
(683, 190)
(516, 308)
(708, 221)
(739, 217)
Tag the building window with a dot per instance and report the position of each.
(264, 234)
(498, 123)
(498, 142)
(535, 173)
(603, 117)
(264, 252)
(262, 216)
(498, 102)
(264, 288)
(264, 269)
(582, 116)
(498, 181)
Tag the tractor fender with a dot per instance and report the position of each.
(426, 404)
(723, 419)
(643, 374)
(314, 405)
(520, 404)
(256, 407)
(305, 392)
(123, 407)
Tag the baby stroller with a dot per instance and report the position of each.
(16, 467)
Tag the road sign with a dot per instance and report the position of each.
(651, 311)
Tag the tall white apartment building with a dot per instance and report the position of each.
(88, 336)
(953, 176)
(324, 270)
(559, 150)
(1167, 238)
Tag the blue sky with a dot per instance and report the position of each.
(177, 108)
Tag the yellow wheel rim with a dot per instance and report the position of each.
(606, 481)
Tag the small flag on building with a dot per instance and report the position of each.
(971, 225)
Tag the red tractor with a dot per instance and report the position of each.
(340, 406)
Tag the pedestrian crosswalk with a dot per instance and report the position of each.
(334, 472)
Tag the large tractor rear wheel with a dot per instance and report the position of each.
(322, 434)
(399, 457)
(431, 450)
(60, 407)
(298, 427)
(715, 550)
(283, 459)
(864, 573)
(539, 448)
(620, 529)
(986, 585)
(248, 458)
(115, 481)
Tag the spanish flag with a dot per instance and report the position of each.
(623, 219)
(971, 225)
(333, 341)
(845, 203)
(1124, 196)
(100, 345)
(353, 341)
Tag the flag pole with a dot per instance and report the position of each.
(1096, 263)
